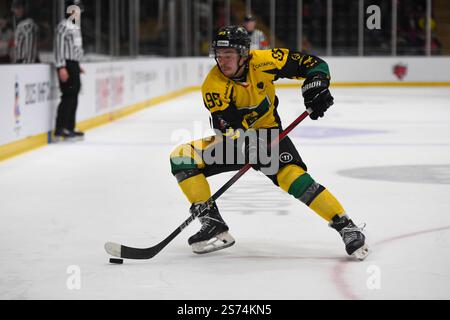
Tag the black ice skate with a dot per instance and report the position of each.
(214, 234)
(63, 135)
(352, 235)
(79, 135)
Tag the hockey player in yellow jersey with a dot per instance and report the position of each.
(239, 93)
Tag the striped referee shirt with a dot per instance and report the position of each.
(26, 42)
(68, 43)
(258, 40)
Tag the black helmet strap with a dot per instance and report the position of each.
(234, 77)
(244, 75)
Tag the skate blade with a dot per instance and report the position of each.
(65, 140)
(362, 252)
(219, 242)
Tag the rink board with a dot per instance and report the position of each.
(110, 90)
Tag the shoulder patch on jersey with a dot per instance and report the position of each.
(278, 54)
(296, 56)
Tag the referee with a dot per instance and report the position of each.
(258, 40)
(25, 35)
(68, 53)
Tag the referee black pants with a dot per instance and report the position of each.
(66, 116)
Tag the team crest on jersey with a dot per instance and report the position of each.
(400, 70)
(286, 157)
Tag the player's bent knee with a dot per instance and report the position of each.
(287, 175)
(298, 183)
(185, 174)
(182, 159)
(185, 157)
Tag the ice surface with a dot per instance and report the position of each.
(384, 152)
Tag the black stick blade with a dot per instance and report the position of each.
(121, 251)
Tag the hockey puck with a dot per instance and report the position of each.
(116, 261)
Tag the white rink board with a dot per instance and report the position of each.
(355, 69)
(110, 86)
(32, 114)
(106, 87)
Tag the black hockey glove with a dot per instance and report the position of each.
(317, 96)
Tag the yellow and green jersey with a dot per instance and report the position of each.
(252, 103)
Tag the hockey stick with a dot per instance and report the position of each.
(121, 251)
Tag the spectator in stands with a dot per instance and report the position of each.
(306, 44)
(6, 41)
(436, 46)
(257, 37)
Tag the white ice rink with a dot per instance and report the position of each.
(384, 152)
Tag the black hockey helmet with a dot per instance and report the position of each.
(232, 37)
(19, 4)
(249, 18)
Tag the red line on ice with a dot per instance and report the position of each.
(338, 272)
